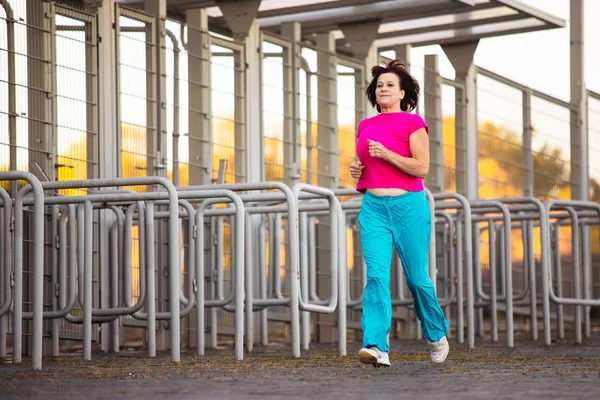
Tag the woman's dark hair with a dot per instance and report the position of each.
(407, 83)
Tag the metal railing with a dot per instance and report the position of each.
(459, 271)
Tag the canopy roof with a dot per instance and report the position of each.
(397, 22)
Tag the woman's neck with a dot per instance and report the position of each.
(388, 110)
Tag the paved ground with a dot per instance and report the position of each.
(491, 371)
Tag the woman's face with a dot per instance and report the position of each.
(388, 92)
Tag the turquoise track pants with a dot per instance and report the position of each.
(405, 221)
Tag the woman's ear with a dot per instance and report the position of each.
(402, 93)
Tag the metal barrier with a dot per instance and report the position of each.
(573, 207)
(254, 289)
(38, 272)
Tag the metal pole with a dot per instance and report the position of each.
(218, 285)
(264, 321)
(558, 270)
(478, 277)
(576, 270)
(493, 283)
(239, 278)
(150, 280)
(87, 276)
(6, 262)
(342, 285)
(200, 286)
(277, 255)
(55, 287)
(460, 315)
(249, 284)
(304, 281)
(587, 276)
(114, 278)
(508, 271)
(532, 280)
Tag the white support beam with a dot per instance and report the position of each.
(199, 135)
(432, 94)
(467, 140)
(579, 130)
(371, 60)
(108, 154)
(239, 117)
(403, 53)
(360, 35)
(239, 14)
(292, 31)
(254, 138)
(528, 164)
(580, 173)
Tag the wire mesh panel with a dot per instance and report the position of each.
(500, 120)
(594, 160)
(449, 133)
(12, 46)
(25, 87)
(177, 104)
(418, 72)
(347, 124)
(594, 145)
(308, 115)
(273, 114)
(500, 126)
(136, 69)
(551, 145)
(76, 96)
(228, 120)
(48, 110)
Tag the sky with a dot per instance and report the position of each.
(546, 53)
(543, 63)
(537, 59)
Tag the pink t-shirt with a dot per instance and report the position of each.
(393, 131)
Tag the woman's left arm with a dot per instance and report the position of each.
(417, 165)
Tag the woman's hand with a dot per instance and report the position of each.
(377, 150)
(356, 169)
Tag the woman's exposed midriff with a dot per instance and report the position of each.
(386, 191)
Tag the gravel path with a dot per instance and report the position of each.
(491, 371)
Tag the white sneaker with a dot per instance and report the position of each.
(439, 350)
(374, 356)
